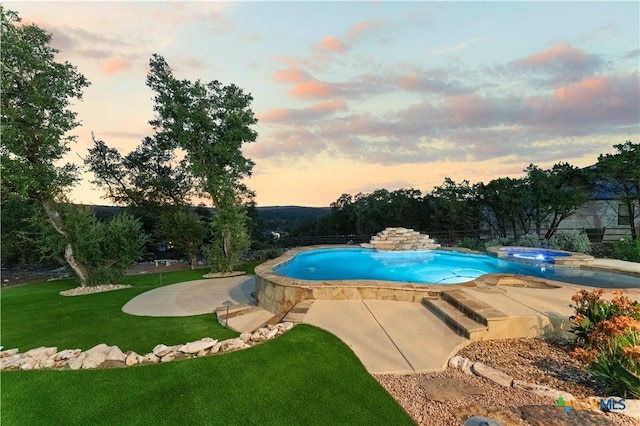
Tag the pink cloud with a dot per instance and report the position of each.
(332, 44)
(409, 81)
(302, 115)
(290, 76)
(562, 52)
(360, 30)
(330, 106)
(116, 65)
(587, 90)
(562, 62)
(312, 89)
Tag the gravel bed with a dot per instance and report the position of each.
(544, 362)
(81, 291)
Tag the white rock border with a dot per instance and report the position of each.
(75, 359)
(477, 368)
(81, 291)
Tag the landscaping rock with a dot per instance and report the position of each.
(76, 363)
(8, 352)
(131, 359)
(161, 350)
(106, 356)
(492, 374)
(13, 361)
(115, 354)
(168, 357)
(632, 408)
(258, 338)
(285, 326)
(548, 415)
(271, 333)
(67, 354)
(41, 352)
(542, 390)
(197, 346)
(232, 345)
(447, 389)
(215, 348)
(152, 358)
(93, 359)
(461, 363)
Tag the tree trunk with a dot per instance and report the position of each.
(632, 220)
(56, 220)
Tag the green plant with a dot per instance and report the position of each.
(528, 240)
(472, 244)
(230, 237)
(571, 241)
(107, 249)
(618, 362)
(627, 249)
(500, 241)
(610, 334)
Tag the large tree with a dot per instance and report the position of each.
(620, 172)
(36, 120)
(556, 193)
(210, 122)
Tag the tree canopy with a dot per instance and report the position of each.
(36, 118)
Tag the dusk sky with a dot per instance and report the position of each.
(355, 96)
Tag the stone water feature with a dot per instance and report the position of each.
(394, 239)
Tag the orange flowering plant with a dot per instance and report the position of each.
(610, 334)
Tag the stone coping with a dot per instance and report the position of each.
(278, 293)
(573, 259)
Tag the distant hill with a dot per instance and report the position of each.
(290, 214)
(285, 215)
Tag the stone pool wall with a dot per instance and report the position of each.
(278, 294)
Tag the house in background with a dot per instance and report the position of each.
(605, 217)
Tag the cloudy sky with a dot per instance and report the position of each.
(355, 96)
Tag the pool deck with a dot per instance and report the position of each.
(393, 337)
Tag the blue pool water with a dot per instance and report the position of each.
(433, 267)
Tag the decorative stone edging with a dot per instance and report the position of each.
(103, 355)
(478, 369)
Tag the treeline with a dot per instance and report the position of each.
(536, 203)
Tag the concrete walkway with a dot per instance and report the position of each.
(388, 336)
(192, 297)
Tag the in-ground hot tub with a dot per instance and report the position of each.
(541, 255)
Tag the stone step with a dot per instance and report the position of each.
(472, 307)
(455, 319)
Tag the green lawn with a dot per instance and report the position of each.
(306, 376)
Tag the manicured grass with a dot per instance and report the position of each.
(307, 376)
(36, 315)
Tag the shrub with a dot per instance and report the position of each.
(610, 334)
(472, 244)
(106, 248)
(528, 240)
(570, 241)
(500, 241)
(628, 250)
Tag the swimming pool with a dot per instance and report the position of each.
(433, 267)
